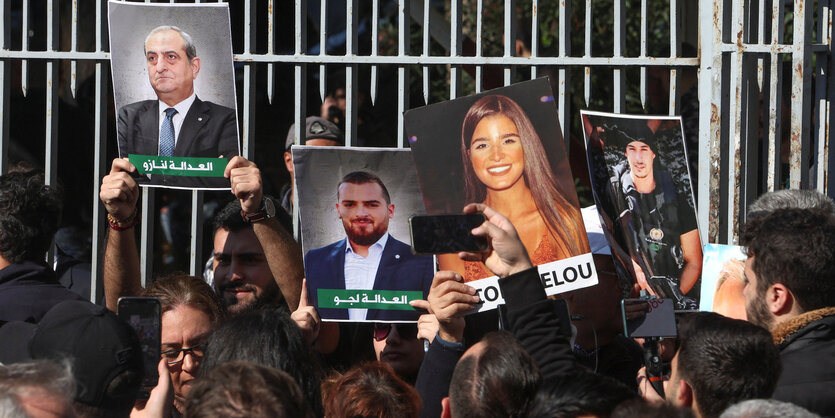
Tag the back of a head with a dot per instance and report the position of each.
(243, 389)
(583, 393)
(176, 290)
(766, 408)
(29, 215)
(791, 199)
(267, 337)
(726, 361)
(372, 390)
(498, 381)
(25, 385)
(640, 407)
(795, 247)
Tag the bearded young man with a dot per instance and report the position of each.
(369, 257)
(790, 290)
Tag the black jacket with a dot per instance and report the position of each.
(807, 349)
(28, 290)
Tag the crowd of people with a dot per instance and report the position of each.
(250, 344)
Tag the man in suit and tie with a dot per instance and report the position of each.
(368, 258)
(178, 123)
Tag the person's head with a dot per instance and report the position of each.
(172, 63)
(642, 408)
(766, 408)
(580, 394)
(190, 310)
(372, 390)
(318, 132)
(242, 275)
(720, 362)
(364, 205)
(729, 299)
(499, 149)
(241, 389)
(495, 377)
(29, 216)
(103, 351)
(790, 265)
(399, 347)
(40, 388)
(641, 157)
(791, 198)
(267, 337)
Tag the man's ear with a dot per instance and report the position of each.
(779, 299)
(445, 412)
(195, 66)
(391, 210)
(683, 395)
(288, 161)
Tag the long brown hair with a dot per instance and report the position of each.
(560, 216)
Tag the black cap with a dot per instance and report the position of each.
(316, 128)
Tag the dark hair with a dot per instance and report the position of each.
(563, 219)
(726, 361)
(243, 389)
(230, 219)
(497, 382)
(795, 247)
(268, 337)
(177, 290)
(581, 393)
(30, 213)
(640, 407)
(791, 198)
(372, 390)
(363, 177)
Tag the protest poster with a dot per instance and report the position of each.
(641, 185)
(504, 148)
(354, 206)
(174, 92)
(723, 280)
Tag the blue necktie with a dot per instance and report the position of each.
(166, 134)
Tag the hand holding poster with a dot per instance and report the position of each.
(642, 188)
(503, 148)
(174, 91)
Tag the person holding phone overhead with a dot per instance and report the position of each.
(506, 168)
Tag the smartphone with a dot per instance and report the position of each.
(144, 315)
(643, 318)
(441, 234)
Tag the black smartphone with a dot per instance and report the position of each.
(144, 315)
(440, 234)
(644, 318)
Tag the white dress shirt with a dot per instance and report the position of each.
(360, 271)
(177, 119)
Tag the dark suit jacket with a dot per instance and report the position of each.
(399, 269)
(209, 130)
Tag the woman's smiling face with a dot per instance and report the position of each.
(496, 152)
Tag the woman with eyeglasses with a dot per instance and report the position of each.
(399, 346)
(190, 311)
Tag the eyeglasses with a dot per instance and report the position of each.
(173, 357)
(405, 331)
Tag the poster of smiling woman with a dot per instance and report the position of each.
(641, 184)
(174, 91)
(503, 148)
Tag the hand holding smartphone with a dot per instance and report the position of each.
(144, 315)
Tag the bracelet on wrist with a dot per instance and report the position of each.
(123, 224)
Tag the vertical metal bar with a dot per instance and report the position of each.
(455, 42)
(509, 38)
(271, 49)
(196, 261)
(247, 148)
(323, 47)
(761, 22)
(587, 69)
(74, 47)
(563, 74)
(618, 79)
(351, 96)
(52, 77)
(146, 237)
(5, 86)
(710, 117)
(403, 39)
(821, 100)
(775, 97)
(99, 153)
(734, 127)
(830, 121)
(425, 53)
(801, 97)
(534, 34)
(374, 24)
(479, 70)
(644, 24)
(675, 74)
(24, 39)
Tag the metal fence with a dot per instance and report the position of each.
(754, 79)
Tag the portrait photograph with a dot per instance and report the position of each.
(354, 206)
(174, 91)
(502, 148)
(642, 188)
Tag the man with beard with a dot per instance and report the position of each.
(369, 258)
(790, 290)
